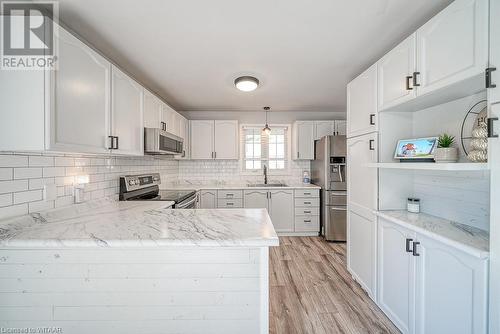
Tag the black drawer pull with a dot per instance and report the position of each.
(415, 83)
(408, 82)
(307, 220)
(488, 77)
(307, 211)
(371, 145)
(307, 203)
(415, 243)
(408, 250)
(372, 119)
(490, 121)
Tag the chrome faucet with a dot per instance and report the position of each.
(265, 174)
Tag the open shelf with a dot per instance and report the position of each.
(466, 166)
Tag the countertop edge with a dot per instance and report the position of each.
(476, 252)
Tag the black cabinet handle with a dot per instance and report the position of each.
(408, 241)
(490, 121)
(415, 243)
(116, 141)
(415, 83)
(408, 82)
(371, 145)
(111, 142)
(488, 77)
(372, 119)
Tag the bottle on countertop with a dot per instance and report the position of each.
(305, 177)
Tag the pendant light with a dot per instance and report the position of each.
(266, 130)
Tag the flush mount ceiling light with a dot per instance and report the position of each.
(266, 130)
(246, 83)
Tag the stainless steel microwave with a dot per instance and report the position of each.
(157, 141)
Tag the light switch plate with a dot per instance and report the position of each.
(49, 192)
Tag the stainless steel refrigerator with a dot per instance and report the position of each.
(328, 170)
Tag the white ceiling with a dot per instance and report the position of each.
(303, 52)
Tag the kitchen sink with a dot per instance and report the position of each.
(267, 185)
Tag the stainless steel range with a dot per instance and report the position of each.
(145, 187)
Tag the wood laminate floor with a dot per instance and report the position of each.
(311, 291)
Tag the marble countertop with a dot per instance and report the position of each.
(110, 223)
(467, 238)
(243, 186)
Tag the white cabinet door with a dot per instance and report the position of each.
(208, 199)
(80, 98)
(202, 139)
(303, 140)
(362, 183)
(340, 128)
(494, 162)
(226, 140)
(396, 270)
(281, 209)
(395, 74)
(494, 59)
(152, 111)
(255, 199)
(184, 134)
(323, 128)
(453, 45)
(169, 118)
(127, 113)
(362, 103)
(450, 290)
(362, 250)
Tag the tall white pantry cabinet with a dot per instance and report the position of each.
(422, 282)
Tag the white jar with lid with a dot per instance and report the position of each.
(413, 205)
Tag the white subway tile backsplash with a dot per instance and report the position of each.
(13, 186)
(27, 173)
(28, 196)
(64, 201)
(40, 161)
(40, 206)
(14, 210)
(5, 200)
(54, 171)
(39, 183)
(8, 160)
(6, 174)
(64, 161)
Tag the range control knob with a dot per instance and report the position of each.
(131, 182)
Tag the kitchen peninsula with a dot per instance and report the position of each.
(129, 267)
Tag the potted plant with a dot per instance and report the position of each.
(445, 152)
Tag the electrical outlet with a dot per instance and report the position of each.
(49, 192)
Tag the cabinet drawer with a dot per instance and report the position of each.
(230, 203)
(306, 223)
(306, 202)
(312, 211)
(229, 194)
(306, 193)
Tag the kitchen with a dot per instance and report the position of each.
(266, 186)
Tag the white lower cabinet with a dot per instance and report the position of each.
(396, 271)
(208, 199)
(450, 290)
(428, 287)
(362, 251)
(256, 199)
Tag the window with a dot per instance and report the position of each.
(260, 149)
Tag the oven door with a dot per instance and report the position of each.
(188, 203)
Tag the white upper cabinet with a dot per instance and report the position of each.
(303, 140)
(453, 46)
(214, 139)
(340, 128)
(323, 128)
(169, 119)
(226, 140)
(396, 74)
(281, 208)
(451, 290)
(152, 111)
(80, 105)
(126, 114)
(494, 57)
(362, 103)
